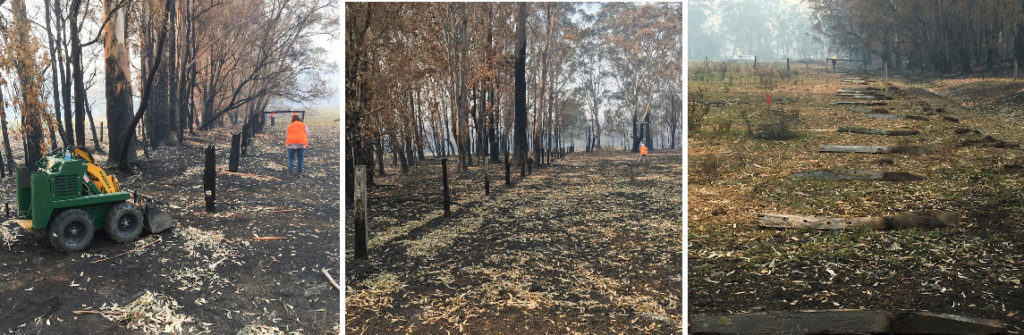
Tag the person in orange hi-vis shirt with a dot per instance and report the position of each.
(643, 153)
(296, 140)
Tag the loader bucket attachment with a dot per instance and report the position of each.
(156, 220)
(152, 212)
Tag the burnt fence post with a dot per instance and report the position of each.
(444, 183)
(233, 157)
(210, 179)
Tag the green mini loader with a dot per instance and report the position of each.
(70, 198)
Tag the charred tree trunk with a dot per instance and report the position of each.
(521, 149)
(54, 70)
(77, 75)
(7, 141)
(118, 86)
(171, 70)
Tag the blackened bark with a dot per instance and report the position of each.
(521, 148)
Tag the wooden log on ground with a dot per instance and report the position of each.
(864, 103)
(930, 219)
(936, 323)
(870, 97)
(853, 82)
(872, 131)
(859, 109)
(842, 321)
(798, 322)
(818, 130)
(961, 131)
(988, 141)
(855, 174)
(444, 182)
(860, 88)
(863, 95)
(790, 221)
(359, 208)
(896, 117)
(870, 149)
(856, 90)
(874, 149)
(210, 179)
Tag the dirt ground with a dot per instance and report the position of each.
(590, 245)
(272, 286)
(972, 269)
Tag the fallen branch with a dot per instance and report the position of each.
(872, 131)
(931, 219)
(865, 103)
(80, 312)
(331, 279)
(268, 238)
(896, 117)
(873, 149)
(868, 110)
(989, 141)
(158, 239)
(250, 175)
(842, 321)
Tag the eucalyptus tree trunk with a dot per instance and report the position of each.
(118, 86)
(30, 112)
(521, 150)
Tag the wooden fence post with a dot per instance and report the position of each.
(508, 168)
(444, 182)
(210, 179)
(359, 208)
(233, 157)
(787, 65)
(487, 176)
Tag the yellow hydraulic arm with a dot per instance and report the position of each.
(104, 182)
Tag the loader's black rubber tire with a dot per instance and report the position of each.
(124, 223)
(71, 231)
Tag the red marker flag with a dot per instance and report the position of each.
(769, 97)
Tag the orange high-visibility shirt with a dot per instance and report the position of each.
(643, 150)
(297, 134)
